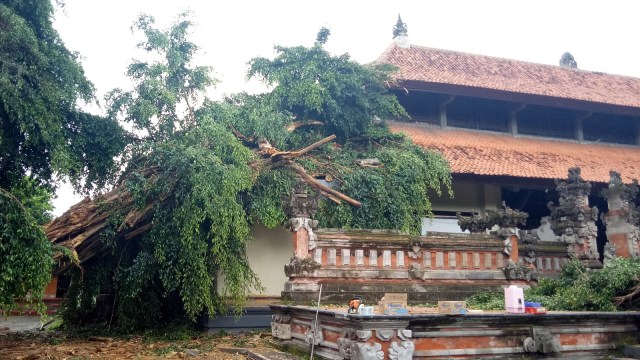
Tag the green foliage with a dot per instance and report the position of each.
(35, 199)
(42, 131)
(580, 288)
(192, 170)
(577, 289)
(161, 87)
(312, 84)
(26, 263)
(486, 301)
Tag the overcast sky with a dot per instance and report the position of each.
(601, 35)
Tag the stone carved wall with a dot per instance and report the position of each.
(573, 220)
(622, 219)
(504, 218)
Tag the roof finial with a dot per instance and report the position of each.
(400, 33)
(400, 28)
(567, 60)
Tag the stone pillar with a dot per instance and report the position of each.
(300, 206)
(574, 221)
(621, 219)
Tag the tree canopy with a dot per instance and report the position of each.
(41, 81)
(199, 172)
(43, 134)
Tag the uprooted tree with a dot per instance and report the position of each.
(199, 172)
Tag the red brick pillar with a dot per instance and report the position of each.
(514, 256)
(301, 243)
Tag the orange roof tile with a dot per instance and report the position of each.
(482, 153)
(436, 66)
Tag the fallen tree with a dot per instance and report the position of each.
(195, 180)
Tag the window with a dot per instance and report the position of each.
(609, 128)
(547, 122)
(423, 107)
(478, 114)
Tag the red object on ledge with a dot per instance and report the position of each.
(535, 310)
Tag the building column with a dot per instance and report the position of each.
(443, 111)
(513, 119)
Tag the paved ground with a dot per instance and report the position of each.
(20, 323)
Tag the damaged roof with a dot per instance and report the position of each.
(495, 154)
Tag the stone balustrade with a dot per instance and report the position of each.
(434, 267)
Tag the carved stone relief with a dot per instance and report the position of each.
(384, 334)
(367, 351)
(300, 267)
(517, 271)
(504, 218)
(281, 331)
(572, 219)
(402, 351)
(314, 337)
(415, 271)
(295, 224)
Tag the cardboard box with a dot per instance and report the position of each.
(452, 307)
(394, 304)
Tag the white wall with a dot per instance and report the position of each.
(268, 252)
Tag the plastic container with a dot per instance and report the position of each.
(514, 300)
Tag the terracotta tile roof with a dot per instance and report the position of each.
(436, 66)
(481, 153)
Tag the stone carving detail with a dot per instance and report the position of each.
(300, 204)
(364, 335)
(384, 334)
(311, 338)
(415, 271)
(416, 245)
(543, 342)
(609, 253)
(504, 217)
(623, 216)
(529, 239)
(344, 347)
(281, 318)
(295, 224)
(404, 351)
(517, 271)
(568, 61)
(367, 351)
(405, 334)
(618, 193)
(572, 219)
(281, 331)
(300, 267)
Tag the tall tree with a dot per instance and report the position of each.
(41, 81)
(42, 133)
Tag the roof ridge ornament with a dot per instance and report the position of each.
(568, 61)
(400, 33)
